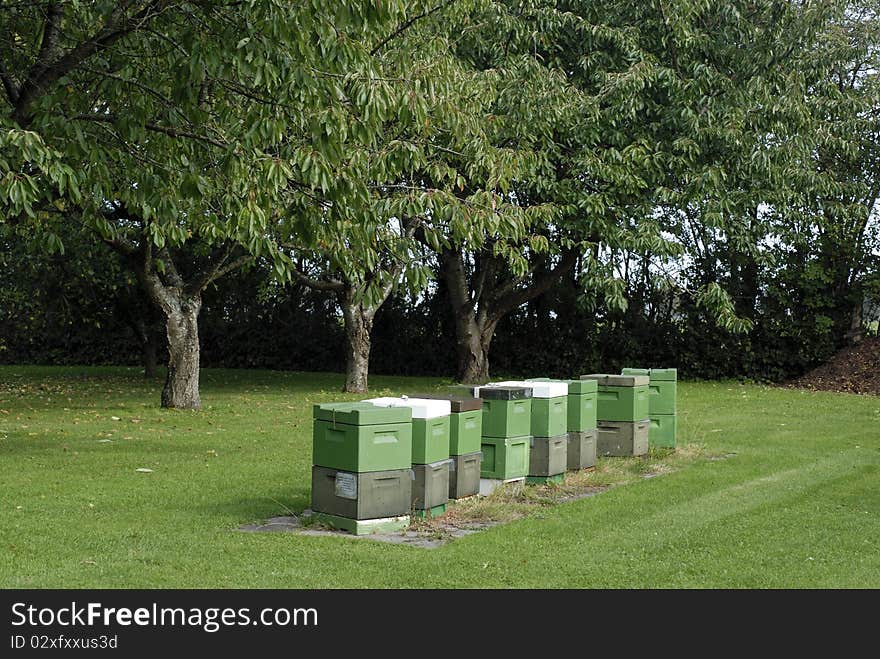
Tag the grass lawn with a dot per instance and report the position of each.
(798, 505)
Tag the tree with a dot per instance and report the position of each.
(841, 212)
(140, 119)
(361, 274)
(361, 239)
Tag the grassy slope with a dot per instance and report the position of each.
(797, 506)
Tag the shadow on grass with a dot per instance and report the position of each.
(290, 502)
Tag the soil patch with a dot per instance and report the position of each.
(853, 370)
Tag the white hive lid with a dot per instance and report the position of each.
(422, 408)
(555, 387)
(540, 389)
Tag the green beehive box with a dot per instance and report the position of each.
(381, 440)
(549, 416)
(582, 398)
(507, 411)
(621, 397)
(662, 431)
(664, 374)
(430, 440)
(360, 414)
(505, 457)
(465, 422)
(465, 430)
(662, 388)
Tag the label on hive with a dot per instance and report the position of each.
(346, 485)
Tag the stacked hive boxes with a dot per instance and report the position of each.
(361, 458)
(505, 442)
(548, 448)
(465, 430)
(581, 422)
(662, 390)
(622, 413)
(430, 451)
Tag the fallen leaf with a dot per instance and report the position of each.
(144, 470)
(116, 418)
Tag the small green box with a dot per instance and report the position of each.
(378, 447)
(621, 397)
(582, 401)
(507, 418)
(662, 431)
(581, 404)
(664, 374)
(505, 457)
(662, 389)
(360, 413)
(549, 416)
(661, 397)
(582, 387)
(465, 430)
(430, 440)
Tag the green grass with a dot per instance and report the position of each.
(796, 506)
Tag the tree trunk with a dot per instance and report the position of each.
(358, 330)
(477, 314)
(182, 329)
(856, 328)
(473, 339)
(473, 333)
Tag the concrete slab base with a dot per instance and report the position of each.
(364, 526)
(489, 485)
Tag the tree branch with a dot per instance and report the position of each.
(221, 268)
(403, 27)
(51, 29)
(540, 284)
(121, 245)
(318, 284)
(9, 85)
(149, 125)
(44, 74)
(171, 274)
